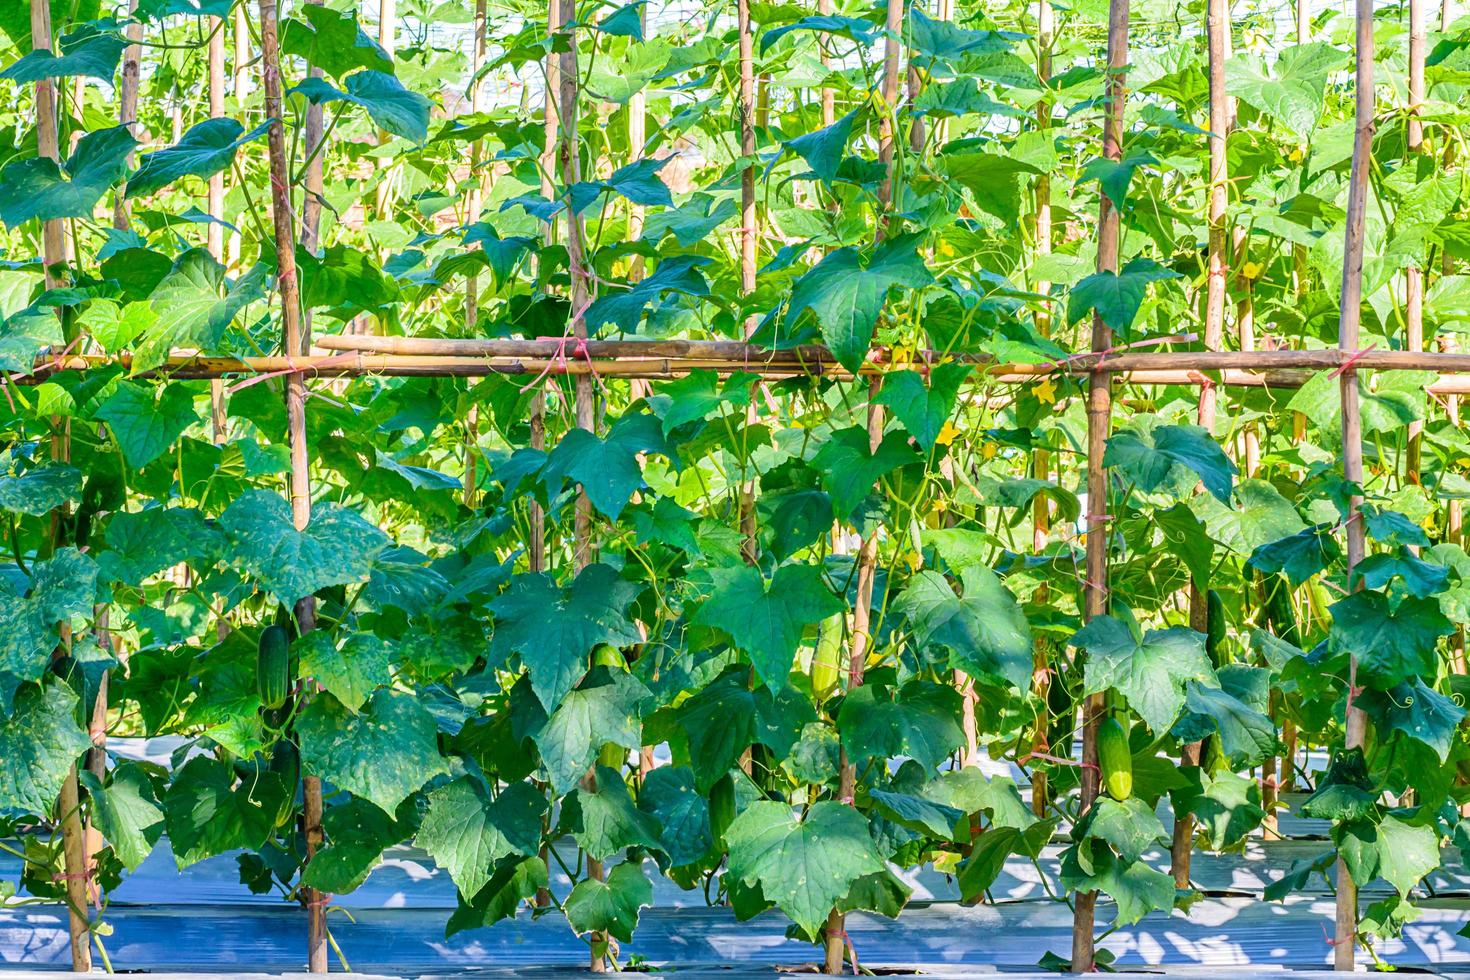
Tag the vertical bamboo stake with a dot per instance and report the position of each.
(1414, 275)
(637, 136)
(1303, 21)
(215, 233)
(1351, 307)
(387, 39)
(1099, 418)
(746, 111)
(1041, 459)
(311, 201)
(551, 117)
(829, 98)
(473, 207)
(127, 101)
(1217, 26)
(835, 933)
(295, 342)
(76, 865)
(582, 549)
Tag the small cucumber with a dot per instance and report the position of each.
(273, 666)
(1115, 759)
(827, 659)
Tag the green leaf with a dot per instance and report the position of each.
(677, 274)
(208, 811)
(824, 148)
(145, 428)
(923, 410)
(357, 834)
(467, 833)
(36, 188)
(383, 753)
(846, 293)
(986, 632)
(1406, 853)
(668, 794)
(609, 469)
(333, 41)
(1247, 735)
(206, 149)
(1116, 296)
(626, 21)
(1417, 710)
(1228, 806)
(766, 619)
(922, 816)
(143, 543)
(555, 629)
(25, 335)
(39, 741)
(1298, 556)
(390, 105)
(638, 182)
(352, 670)
(850, 471)
(852, 28)
(92, 50)
(1130, 826)
(514, 880)
(605, 709)
(39, 490)
(1392, 644)
(1292, 89)
(604, 821)
(127, 812)
(62, 589)
(610, 906)
(195, 306)
(804, 866)
(1148, 669)
(920, 720)
(337, 547)
(1147, 458)
(1114, 176)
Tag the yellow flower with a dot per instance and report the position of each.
(947, 434)
(1251, 270)
(1296, 155)
(1046, 391)
(941, 505)
(988, 449)
(915, 561)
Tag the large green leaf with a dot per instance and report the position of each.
(127, 812)
(766, 619)
(923, 409)
(850, 471)
(1148, 457)
(337, 547)
(208, 810)
(1149, 669)
(40, 489)
(35, 188)
(39, 741)
(333, 41)
(920, 720)
(207, 148)
(390, 105)
(803, 865)
(846, 293)
(92, 50)
(195, 304)
(62, 589)
(1392, 644)
(603, 819)
(1116, 296)
(466, 831)
(351, 669)
(669, 795)
(554, 629)
(146, 420)
(824, 149)
(383, 753)
(986, 631)
(605, 709)
(609, 469)
(1291, 91)
(610, 906)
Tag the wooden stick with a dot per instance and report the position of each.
(1217, 28)
(1414, 275)
(127, 105)
(295, 341)
(1099, 419)
(388, 40)
(745, 109)
(313, 133)
(1351, 304)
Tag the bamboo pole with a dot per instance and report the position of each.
(76, 865)
(127, 101)
(745, 108)
(829, 97)
(585, 396)
(314, 132)
(240, 64)
(1217, 28)
(1414, 274)
(474, 205)
(215, 232)
(1099, 418)
(1351, 307)
(637, 137)
(388, 40)
(1041, 459)
(295, 341)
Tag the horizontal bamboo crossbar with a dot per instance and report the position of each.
(355, 356)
